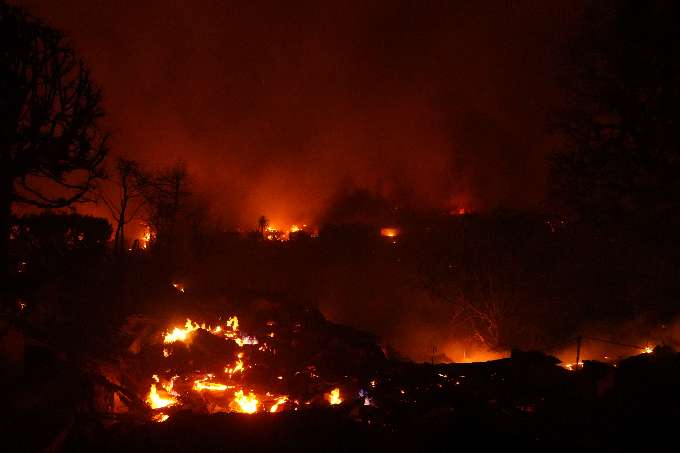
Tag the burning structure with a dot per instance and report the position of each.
(247, 364)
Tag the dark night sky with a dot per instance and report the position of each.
(275, 105)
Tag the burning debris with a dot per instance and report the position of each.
(275, 366)
(171, 379)
(334, 397)
(273, 233)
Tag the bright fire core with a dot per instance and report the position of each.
(226, 390)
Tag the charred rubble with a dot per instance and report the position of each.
(63, 401)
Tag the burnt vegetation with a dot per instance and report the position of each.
(88, 307)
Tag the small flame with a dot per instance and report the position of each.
(210, 386)
(233, 323)
(160, 418)
(238, 368)
(179, 334)
(389, 232)
(178, 286)
(245, 404)
(334, 397)
(156, 401)
(245, 340)
(279, 401)
(168, 387)
(573, 366)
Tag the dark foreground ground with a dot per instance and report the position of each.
(524, 403)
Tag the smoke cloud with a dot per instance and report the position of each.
(277, 105)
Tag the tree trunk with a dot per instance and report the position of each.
(121, 226)
(5, 230)
(116, 238)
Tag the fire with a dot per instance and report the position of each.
(160, 418)
(334, 397)
(237, 368)
(146, 239)
(573, 366)
(279, 401)
(168, 391)
(245, 340)
(178, 286)
(168, 387)
(210, 386)
(233, 323)
(648, 350)
(389, 232)
(273, 233)
(245, 404)
(156, 401)
(179, 334)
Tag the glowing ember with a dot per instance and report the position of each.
(238, 368)
(210, 386)
(245, 340)
(168, 387)
(389, 232)
(179, 334)
(146, 239)
(233, 323)
(178, 286)
(245, 404)
(160, 418)
(572, 366)
(334, 397)
(156, 401)
(279, 401)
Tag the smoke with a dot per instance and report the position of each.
(275, 106)
(611, 341)
(283, 108)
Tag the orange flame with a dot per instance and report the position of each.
(179, 334)
(334, 397)
(279, 401)
(160, 418)
(156, 401)
(238, 368)
(389, 232)
(245, 404)
(210, 386)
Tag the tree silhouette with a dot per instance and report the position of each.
(131, 182)
(621, 159)
(262, 224)
(50, 147)
(165, 195)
